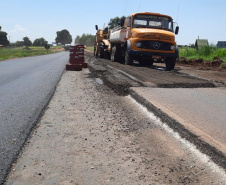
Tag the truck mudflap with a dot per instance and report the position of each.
(150, 54)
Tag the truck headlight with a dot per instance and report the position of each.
(172, 47)
(138, 44)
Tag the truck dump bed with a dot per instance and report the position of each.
(118, 35)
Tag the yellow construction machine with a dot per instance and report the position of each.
(102, 44)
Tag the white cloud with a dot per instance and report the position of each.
(18, 29)
(18, 32)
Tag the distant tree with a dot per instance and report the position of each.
(63, 37)
(85, 39)
(114, 22)
(27, 41)
(40, 42)
(77, 39)
(3, 38)
(19, 43)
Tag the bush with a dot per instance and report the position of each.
(221, 53)
(206, 52)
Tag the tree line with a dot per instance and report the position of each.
(89, 40)
(85, 39)
(63, 37)
(3, 37)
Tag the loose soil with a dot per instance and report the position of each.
(215, 64)
(90, 135)
(200, 75)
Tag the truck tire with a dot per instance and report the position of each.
(170, 63)
(120, 57)
(101, 52)
(107, 55)
(114, 54)
(128, 59)
(94, 51)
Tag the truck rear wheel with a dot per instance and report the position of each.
(94, 51)
(114, 54)
(107, 55)
(128, 59)
(170, 63)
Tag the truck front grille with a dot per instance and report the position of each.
(155, 36)
(156, 45)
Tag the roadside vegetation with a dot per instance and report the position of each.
(206, 53)
(91, 48)
(207, 56)
(6, 53)
(85, 39)
(25, 47)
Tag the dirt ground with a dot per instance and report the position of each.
(211, 75)
(91, 135)
(215, 75)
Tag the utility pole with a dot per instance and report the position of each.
(9, 42)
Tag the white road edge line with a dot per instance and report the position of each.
(202, 157)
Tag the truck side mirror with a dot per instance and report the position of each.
(96, 27)
(177, 30)
(122, 21)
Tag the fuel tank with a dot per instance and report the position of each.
(118, 35)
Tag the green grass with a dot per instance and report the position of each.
(6, 53)
(206, 53)
(91, 48)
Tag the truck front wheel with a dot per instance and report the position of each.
(170, 63)
(101, 52)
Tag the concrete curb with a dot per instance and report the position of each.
(217, 156)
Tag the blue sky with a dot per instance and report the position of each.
(43, 18)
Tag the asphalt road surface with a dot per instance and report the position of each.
(26, 86)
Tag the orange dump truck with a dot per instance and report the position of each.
(143, 37)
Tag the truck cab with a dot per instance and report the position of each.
(148, 37)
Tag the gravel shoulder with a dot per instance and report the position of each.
(91, 135)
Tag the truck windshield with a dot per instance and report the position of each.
(153, 21)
